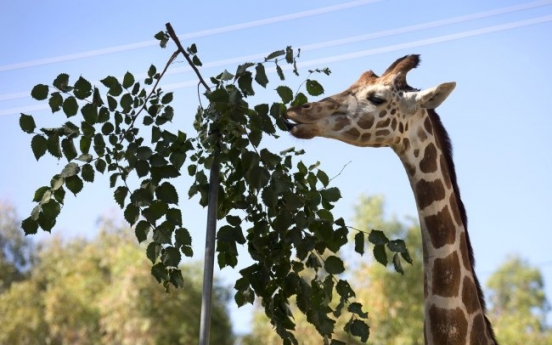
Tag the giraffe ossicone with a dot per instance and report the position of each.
(386, 112)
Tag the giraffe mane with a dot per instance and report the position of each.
(444, 142)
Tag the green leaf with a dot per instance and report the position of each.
(74, 184)
(69, 149)
(377, 237)
(83, 88)
(176, 278)
(356, 308)
(100, 165)
(70, 106)
(322, 177)
(280, 72)
(192, 49)
(39, 146)
(359, 329)
(87, 173)
(107, 128)
(196, 61)
(151, 71)
(260, 75)
(300, 99)
(359, 243)
(27, 123)
(142, 230)
(159, 271)
(40, 92)
(245, 84)
(62, 82)
(53, 146)
(90, 113)
(275, 54)
(39, 193)
(174, 216)
(285, 93)
(69, 170)
(334, 265)
(167, 193)
(330, 194)
(171, 257)
(167, 98)
(156, 210)
(85, 143)
(314, 88)
(153, 251)
(182, 237)
(56, 182)
(131, 214)
(144, 152)
(380, 254)
(55, 102)
(30, 226)
(120, 195)
(115, 88)
(397, 263)
(128, 80)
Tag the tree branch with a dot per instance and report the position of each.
(181, 49)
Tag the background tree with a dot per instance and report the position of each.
(16, 252)
(101, 292)
(518, 304)
(395, 301)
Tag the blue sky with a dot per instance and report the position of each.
(499, 116)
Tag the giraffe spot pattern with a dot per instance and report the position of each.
(365, 137)
(383, 124)
(440, 228)
(383, 113)
(428, 164)
(443, 164)
(416, 153)
(366, 122)
(478, 332)
(353, 133)
(382, 133)
(469, 295)
(449, 326)
(447, 276)
(427, 125)
(455, 210)
(394, 124)
(401, 127)
(428, 192)
(464, 248)
(341, 123)
(422, 135)
(393, 111)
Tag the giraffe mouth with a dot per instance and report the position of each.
(289, 123)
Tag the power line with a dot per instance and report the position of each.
(348, 40)
(355, 55)
(203, 33)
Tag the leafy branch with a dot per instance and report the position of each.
(272, 203)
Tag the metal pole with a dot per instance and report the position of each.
(206, 300)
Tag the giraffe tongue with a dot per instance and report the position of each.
(289, 125)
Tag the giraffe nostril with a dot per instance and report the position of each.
(306, 106)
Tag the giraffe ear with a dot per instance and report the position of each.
(433, 97)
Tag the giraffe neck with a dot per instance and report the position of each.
(454, 305)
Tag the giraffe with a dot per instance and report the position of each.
(386, 112)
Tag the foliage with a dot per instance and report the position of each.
(16, 251)
(396, 302)
(98, 292)
(278, 207)
(396, 316)
(518, 304)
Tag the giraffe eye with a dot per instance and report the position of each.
(376, 100)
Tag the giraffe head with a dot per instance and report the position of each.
(374, 111)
